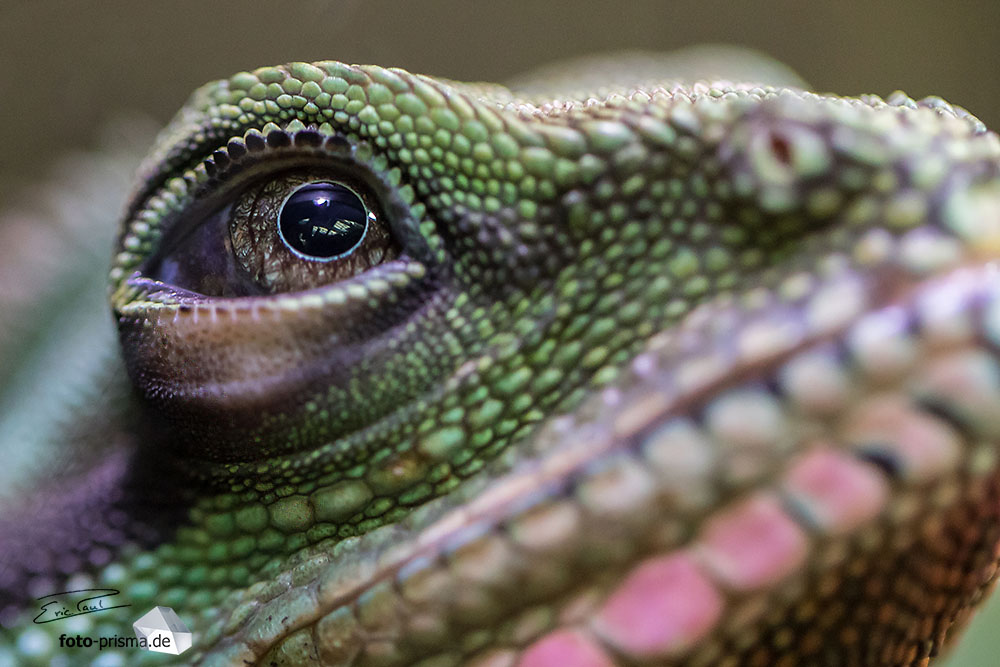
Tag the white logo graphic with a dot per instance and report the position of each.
(161, 630)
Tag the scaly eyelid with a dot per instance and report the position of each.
(163, 208)
(160, 222)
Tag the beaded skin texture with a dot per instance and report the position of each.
(660, 371)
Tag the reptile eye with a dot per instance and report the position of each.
(323, 221)
(294, 231)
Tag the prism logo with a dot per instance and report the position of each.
(161, 630)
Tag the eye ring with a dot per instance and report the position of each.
(323, 220)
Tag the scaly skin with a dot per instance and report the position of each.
(672, 373)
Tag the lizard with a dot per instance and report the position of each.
(626, 365)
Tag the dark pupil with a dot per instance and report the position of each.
(323, 220)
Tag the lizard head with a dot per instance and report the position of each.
(494, 238)
(635, 326)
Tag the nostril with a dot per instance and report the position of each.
(781, 149)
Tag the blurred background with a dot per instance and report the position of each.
(70, 68)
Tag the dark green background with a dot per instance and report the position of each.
(67, 67)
